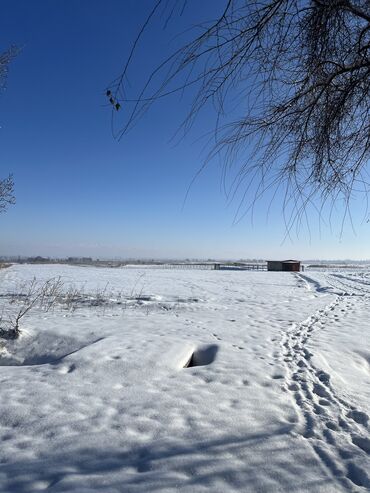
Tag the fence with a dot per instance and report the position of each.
(208, 266)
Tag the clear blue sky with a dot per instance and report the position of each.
(80, 192)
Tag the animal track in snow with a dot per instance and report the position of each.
(238, 347)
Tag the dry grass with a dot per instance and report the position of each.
(4, 266)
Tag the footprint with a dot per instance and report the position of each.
(320, 391)
(318, 409)
(324, 402)
(357, 475)
(307, 355)
(358, 416)
(332, 426)
(323, 376)
(343, 424)
(362, 442)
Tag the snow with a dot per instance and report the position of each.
(188, 381)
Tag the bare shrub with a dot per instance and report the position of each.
(28, 296)
(54, 293)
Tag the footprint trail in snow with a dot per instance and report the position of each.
(337, 430)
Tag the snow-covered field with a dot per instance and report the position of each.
(95, 396)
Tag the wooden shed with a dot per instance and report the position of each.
(284, 265)
(291, 265)
(276, 265)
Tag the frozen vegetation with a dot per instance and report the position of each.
(148, 380)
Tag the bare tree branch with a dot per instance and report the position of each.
(6, 184)
(5, 58)
(6, 193)
(299, 73)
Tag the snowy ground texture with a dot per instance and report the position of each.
(96, 396)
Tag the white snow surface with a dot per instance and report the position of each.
(99, 398)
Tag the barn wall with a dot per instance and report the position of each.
(291, 266)
(274, 265)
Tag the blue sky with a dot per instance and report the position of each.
(80, 192)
